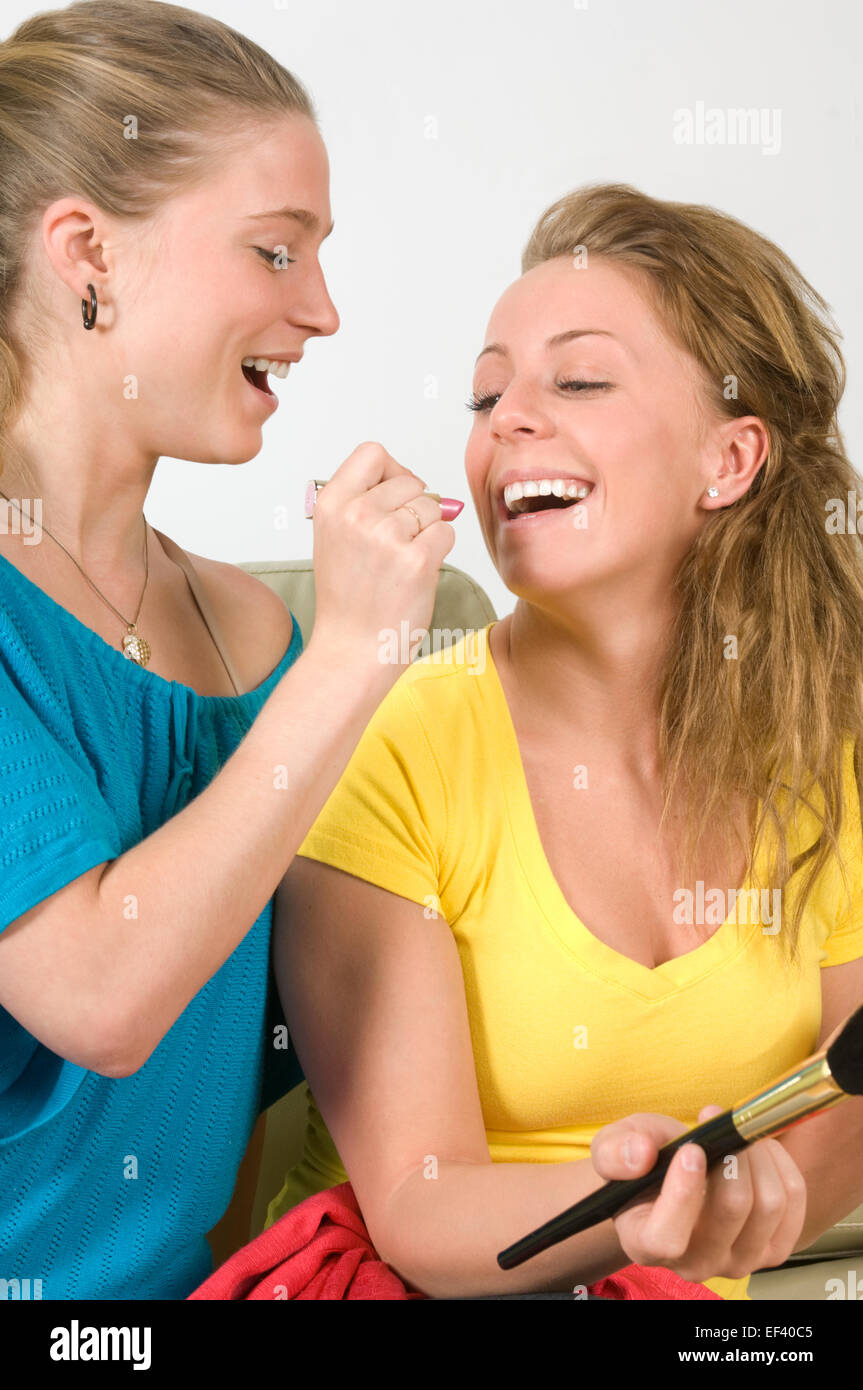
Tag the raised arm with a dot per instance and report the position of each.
(374, 997)
(101, 987)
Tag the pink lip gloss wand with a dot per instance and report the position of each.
(450, 506)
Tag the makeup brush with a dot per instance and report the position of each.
(450, 506)
(806, 1089)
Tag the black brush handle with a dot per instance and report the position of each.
(717, 1137)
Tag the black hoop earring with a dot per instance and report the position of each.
(88, 322)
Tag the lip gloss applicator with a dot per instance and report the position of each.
(450, 506)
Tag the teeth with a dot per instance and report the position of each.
(514, 493)
(266, 364)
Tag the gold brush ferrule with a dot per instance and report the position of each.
(802, 1090)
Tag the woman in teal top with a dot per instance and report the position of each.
(145, 823)
(110, 1185)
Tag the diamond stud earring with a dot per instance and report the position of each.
(713, 492)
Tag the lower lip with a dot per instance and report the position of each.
(268, 398)
(528, 519)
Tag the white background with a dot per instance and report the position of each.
(531, 100)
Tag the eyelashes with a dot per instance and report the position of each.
(269, 257)
(485, 402)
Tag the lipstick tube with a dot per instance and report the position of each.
(450, 506)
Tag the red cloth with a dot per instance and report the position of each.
(321, 1249)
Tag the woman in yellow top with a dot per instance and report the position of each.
(516, 921)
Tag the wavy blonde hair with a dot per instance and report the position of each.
(69, 82)
(772, 725)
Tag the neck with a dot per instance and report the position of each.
(597, 669)
(95, 509)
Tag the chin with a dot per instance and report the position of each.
(545, 572)
(542, 589)
(223, 453)
(245, 457)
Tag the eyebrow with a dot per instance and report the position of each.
(555, 341)
(306, 219)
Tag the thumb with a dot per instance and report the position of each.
(637, 1152)
(626, 1154)
(709, 1112)
(627, 1148)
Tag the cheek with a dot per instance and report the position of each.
(477, 460)
(669, 432)
(640, 452)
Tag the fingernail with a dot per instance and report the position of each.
(631, 1147)
(693, 1157)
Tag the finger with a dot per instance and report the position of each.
(778, 1211)
(662, 1229)
(366, 467)
(426, 508)
(726, 1210)
(386, 496)
(787, 1233)
(369, 464)
(628, 1147)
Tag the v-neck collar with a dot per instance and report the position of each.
(650, 982)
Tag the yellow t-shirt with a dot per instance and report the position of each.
(568, 1034)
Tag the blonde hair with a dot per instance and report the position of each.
(764, 568)
(70, 82)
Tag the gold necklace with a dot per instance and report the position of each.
(135, 647)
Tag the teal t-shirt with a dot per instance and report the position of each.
(109, 1186)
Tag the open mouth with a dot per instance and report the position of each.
(258, 379)
(541, 503)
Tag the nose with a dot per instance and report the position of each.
(518, 413)
(318, 313)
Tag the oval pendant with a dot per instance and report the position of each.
(136, 648)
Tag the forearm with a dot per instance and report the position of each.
(442, 1234)
(828, 1150)
(201, 880)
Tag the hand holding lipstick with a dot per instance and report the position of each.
(449, 506)
(379, 544)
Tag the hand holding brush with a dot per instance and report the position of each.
(809, 1087)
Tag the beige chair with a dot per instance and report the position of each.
(277, 1142)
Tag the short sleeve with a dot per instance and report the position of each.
(385, 820)
(54, 821)
(845, 940)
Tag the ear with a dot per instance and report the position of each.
(72, 234)
(740, 447)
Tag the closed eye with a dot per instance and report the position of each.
(485, 402)
(269, 256)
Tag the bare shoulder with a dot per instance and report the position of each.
(257, 621)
